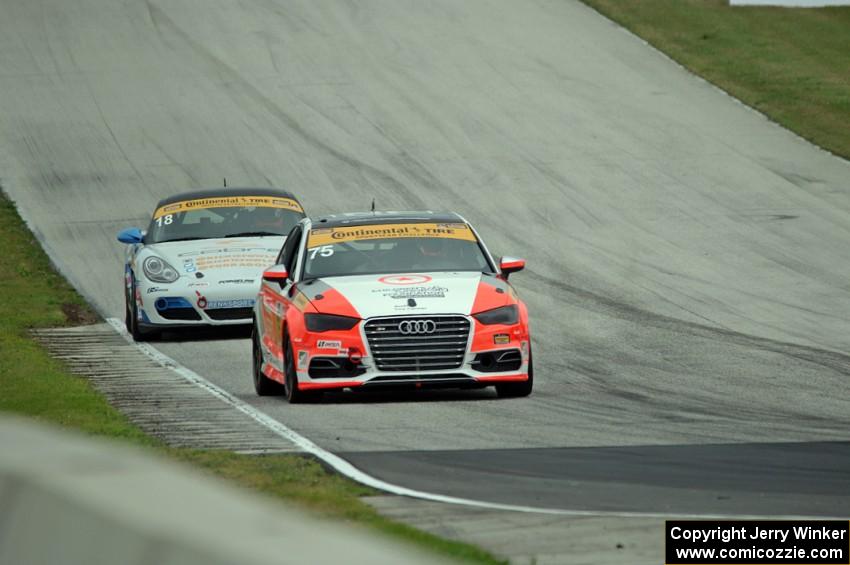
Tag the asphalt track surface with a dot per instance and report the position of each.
(688, 260)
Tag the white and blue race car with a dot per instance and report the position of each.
(201, 259)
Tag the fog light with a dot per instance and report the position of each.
(501, 339)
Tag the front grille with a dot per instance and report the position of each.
(230, 313)
(394, 351)
(179, 314)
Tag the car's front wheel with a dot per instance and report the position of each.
(131, 318)
(293, 394)
(263, 385)
(516, 390)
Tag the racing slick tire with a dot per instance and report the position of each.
(517, 390)
(131, 318)
(263, 385)
(293, 395)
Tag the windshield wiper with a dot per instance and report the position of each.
(251, 234)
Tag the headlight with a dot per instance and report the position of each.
(506, 315)
(327, 322)
(159, 271)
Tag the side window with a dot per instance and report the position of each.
(290, 248)
(292, 258)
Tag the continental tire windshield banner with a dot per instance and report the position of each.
(758, 542)
(228, 201)
(328, 236)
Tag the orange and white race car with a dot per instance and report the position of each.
(389, 299)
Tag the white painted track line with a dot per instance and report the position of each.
(345, 468)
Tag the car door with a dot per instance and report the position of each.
(276, 301)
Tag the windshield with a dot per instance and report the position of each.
(393, 248)
(233, 216)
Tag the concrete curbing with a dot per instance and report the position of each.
(70, 499)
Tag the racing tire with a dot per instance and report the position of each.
(263, 385)
(128, 315)
(293, 395)
(518, 390)
(131, 319)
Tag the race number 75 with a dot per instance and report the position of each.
(323, 251)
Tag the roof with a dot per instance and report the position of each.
(373, 218)
(219, 192)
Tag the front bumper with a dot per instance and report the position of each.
(345, 360)
(176, 308)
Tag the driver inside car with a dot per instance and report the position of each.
(429, 253)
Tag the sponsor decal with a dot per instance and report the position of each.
(153, 289)
(221, 250)
(198, 284)
(326, 236)
(246, 260)
(226, 246)
(228, 202)
(236, 281)
(302, 358)
(328, 344)
(411, 292)
(201, 301)
(235, 303)
(405, 279)
(229, 246)
(189, 265)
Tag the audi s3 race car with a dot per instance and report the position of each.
(389, 299)
(202, 256)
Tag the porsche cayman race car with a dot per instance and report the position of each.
(201, 258)
(389, 299)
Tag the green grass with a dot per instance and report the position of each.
(35, 385)
(791, 64)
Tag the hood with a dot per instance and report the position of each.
(393, 295)
(242, 258)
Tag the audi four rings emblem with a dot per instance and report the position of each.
(411, 327)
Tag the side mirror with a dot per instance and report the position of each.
(130, 235)
(510, 265)
(276, 274)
